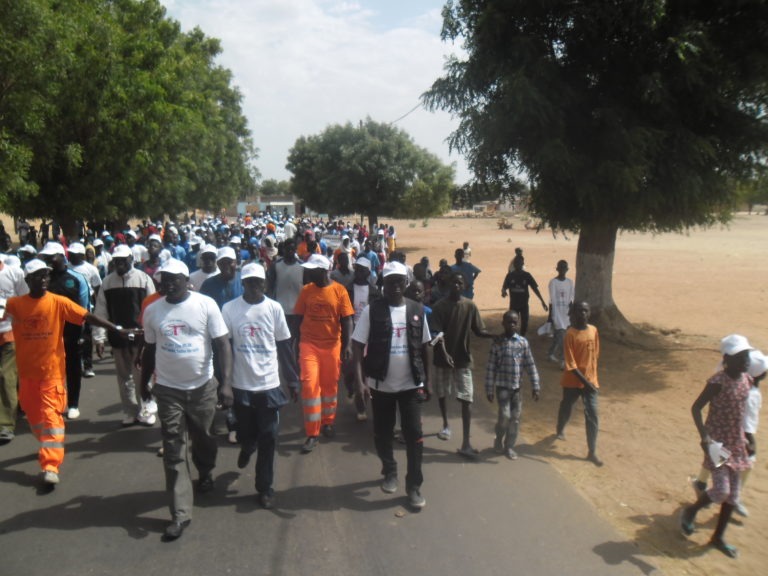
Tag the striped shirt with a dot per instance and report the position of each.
(507, 359)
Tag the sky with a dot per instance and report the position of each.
(303, 65)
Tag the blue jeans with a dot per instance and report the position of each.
(384, 406)
(556, 348)
(258, 419)
(508, 423)
(589, 398)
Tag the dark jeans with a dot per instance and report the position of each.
(384, 406)
(524, 314)
(86, 349)
(74, 363)
(258, 426)
(589, 398)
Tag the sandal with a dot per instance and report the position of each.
(727, 549)
(469, 453)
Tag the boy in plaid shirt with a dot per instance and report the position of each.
(509, 356)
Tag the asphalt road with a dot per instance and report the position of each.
(106, 516)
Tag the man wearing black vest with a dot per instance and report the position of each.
(395, 374)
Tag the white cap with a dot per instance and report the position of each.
(235, 240)
(208, 249)
(35, 265)
(52, 248)
(394, 268)
(155, 237)
(195, 241)
(174, 266)
(364, 262)
(122, 251)
(76, 248)
(131, 233)
(28, 248)
(758, 363)
(226, 252)
(733, 344)
(317, 261)
(97, 242)
(253, 270)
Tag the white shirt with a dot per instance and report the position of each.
(752, 411)
(197, 278)
(561, 294)
(182, 334)
(289, 280)
(90, 273)
(399, 376)
(12, 283)
(361, 294)
(255, 330)
(140, 253)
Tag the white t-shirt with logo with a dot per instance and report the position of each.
(182, 334)
(399, 376)
(361, 294)
(255, 330)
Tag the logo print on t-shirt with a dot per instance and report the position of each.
(37, 324)
(176, 328)
(249, 330)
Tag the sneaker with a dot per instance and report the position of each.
(560, 436)
(205, 484)
(88, 373)
(362, 416)
(389, 484)
(415, 499)
(146, 419)
(309, 444)
(511, 454)
(266, 500)
(328, 430)
(175, 529)
(553, 358)
(232, 437)
(150, 406)
(741, 510)
(498, 446)
(50, 477)
(73, 413)
(6, 435)
(444, 434)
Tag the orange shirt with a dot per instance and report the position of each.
(323, 309)
(38, 328)
(581, 350)
(146, 302)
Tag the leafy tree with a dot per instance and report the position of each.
(142, 122)
(273, 187)
(633, 115)
(374, 169)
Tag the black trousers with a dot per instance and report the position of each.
(384, 407)
(74, 362)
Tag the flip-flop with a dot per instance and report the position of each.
(469, 453)
(727, 549)
(687, 527)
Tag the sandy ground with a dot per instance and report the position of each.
(686, 292)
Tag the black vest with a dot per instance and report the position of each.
(376, 361)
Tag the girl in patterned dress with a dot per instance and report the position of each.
(726, 393)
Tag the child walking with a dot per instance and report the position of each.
(510, 355)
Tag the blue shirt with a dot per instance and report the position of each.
(222, 290)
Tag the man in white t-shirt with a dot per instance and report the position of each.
(11, 284)
(182, 332)
(396, 370)
(207, 268)
(561, 295)
(261, 344)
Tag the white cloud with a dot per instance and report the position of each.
(304, 64)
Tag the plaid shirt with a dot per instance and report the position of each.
(508, 357)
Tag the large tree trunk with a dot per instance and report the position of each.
(594, 279)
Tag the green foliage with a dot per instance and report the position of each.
(374, 169)
(637, 115)
(132, 116)
(273, 187)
